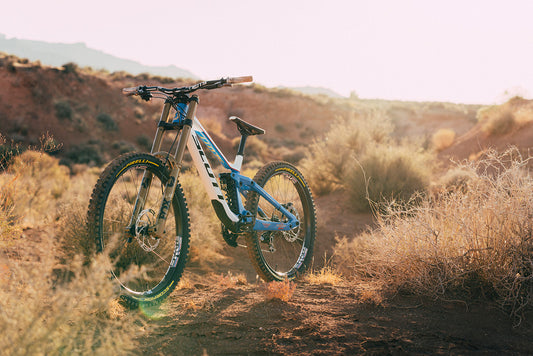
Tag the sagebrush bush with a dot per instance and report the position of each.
(388, 173)
(39, 185)
(496, 120)
(472, 242)
(443, 139)
(107, 122)
(70, 67)
(144, 142)
(360, 157)
(63, 110)
(44, 316)
(84, 153)
(46, 308)
(8, 151)
(330, 159)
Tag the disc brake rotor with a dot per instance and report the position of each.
(144, 223)
(292, 235)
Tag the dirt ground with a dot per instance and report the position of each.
(209, 319)
(216, 313)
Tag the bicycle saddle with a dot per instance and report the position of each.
(245, 128)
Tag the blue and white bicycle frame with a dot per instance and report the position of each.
(193, 136)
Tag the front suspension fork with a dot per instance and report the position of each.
(170, 187)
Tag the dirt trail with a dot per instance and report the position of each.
(211, 319)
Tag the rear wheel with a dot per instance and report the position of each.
(146, 266)
(279, 255)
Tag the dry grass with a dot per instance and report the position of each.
(326, 275)
(39, 183)
(473, 242)
(232, 281)
(42, 315)
(388, 173)
(329, 160)
(360, 157)
(9, 221)
(45, 308)
(497, 121)
(443, 139)
(501, 119)
(206, 238)
(280, 290)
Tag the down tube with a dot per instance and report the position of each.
(208, 177)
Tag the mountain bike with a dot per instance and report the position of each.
(139, 216)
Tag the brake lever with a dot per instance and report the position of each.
(144, 94)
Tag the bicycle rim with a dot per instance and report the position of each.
(284, 251)
(141, 261)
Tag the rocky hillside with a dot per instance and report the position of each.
(87, 115)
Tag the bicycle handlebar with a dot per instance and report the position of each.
(237, 80)
(130, 91)
(210, 84)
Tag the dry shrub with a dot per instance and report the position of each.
(231, 281)
(370, 293)
(73, 237)
(500, 119)
(206, 238)
(42, 317)
(39, 183)
(457, 178)
(443, 139)
(328, 161)
(472, 242)
(388, 173)
(280, 290)
(45, 310)
(9, 221)
(496, 120)
(359, 156)
(8, 151)
(326, 275)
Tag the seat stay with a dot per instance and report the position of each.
(247, 184)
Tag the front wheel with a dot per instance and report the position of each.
(280, 255)
(146, 266)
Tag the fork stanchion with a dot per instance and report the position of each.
(186, 130)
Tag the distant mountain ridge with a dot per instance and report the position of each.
(316, 91)
(57, 54)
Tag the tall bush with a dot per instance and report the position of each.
(359, 156)
(472, 240)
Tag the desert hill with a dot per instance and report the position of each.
(84, 111)
(498, 128)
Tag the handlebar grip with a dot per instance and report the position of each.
(237, 80)
(130, 91)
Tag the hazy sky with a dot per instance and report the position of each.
(462, 51)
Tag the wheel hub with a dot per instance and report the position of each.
(143, 225)
(292, 235)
